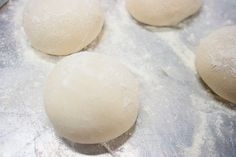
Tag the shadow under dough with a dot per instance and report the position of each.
(96, 149)
(187, 21)
(215, 96)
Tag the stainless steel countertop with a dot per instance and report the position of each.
(179, 117)
(2, 2)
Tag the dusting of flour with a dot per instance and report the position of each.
(156, 76)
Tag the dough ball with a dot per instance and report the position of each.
(62, 27)
(216, 62)
(91, 98)
(162, 12)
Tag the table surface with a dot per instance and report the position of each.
(2, 2)
(179, 117)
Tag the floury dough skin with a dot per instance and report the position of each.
(216, 62)
(62, 27)
(162, 12)
(91, 98)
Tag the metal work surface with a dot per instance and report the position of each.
(179, 116)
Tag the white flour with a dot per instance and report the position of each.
(160, 59)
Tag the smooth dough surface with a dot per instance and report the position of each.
(91, 98)
(216, 62)
(62, 27)
(162, 12)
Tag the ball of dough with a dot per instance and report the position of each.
(162, 12)
(91, 98)
(216, 62)
(62, 27)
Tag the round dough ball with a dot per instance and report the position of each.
(62, 27)
(162, 12)
(91, 98)
(216, 62)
